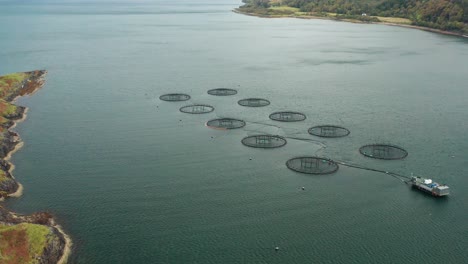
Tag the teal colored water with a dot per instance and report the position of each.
(133, 180)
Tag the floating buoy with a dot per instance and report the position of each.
(276, 248)
(303, 188)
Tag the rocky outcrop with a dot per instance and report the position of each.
(41, 218)
(33, 80)
(52, 246)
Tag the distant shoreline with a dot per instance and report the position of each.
(434, 30)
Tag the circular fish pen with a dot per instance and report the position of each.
(197, 109)
(383, 151)
(222, 91)
(264, 141)
(253, 102)
(287, 116)
(312, 165)
(328, 131)
(225, 123)
(174, 97)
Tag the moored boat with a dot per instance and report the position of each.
(429, 186)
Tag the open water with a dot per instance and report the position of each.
(133, 180)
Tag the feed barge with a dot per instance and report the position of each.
(427, 185)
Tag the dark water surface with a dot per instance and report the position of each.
(133, 180)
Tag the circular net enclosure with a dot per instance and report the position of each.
(383, 151)
(328, 131)
(197, 109)
(222, 91)
(264, 141)
(253, 102)
(287, 116)
(312, 165)
(226, 123)
(174, 97)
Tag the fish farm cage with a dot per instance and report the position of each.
(253, 102)
(197, 109)
(287, 116)
(264, 141)
(174, 97)
(225, 123)
(383, 151)
(328, 131)
(222, 91)
(312, 165)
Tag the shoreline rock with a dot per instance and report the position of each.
(11, 87)
(54, 244)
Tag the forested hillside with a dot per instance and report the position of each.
(450, 15)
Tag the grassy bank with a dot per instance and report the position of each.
(23, 243)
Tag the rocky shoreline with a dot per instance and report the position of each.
(10, 140)
(240, 11)
(23, 239)
(56, 240)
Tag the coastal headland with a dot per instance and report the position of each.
(23, 239)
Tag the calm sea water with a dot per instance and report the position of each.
(133, 180)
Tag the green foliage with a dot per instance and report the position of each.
(10, 82)
(7, 109)
(10, 110)
(23, 243)
(38, 237)
(3, 177)
(257, 3)
(9, 79)
(17, 77)
(285, 8)
(451, 15)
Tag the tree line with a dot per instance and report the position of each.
(451, 15)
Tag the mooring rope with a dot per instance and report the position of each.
(393, 174)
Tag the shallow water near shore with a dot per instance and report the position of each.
(133, 180)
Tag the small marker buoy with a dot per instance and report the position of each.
(303, 188)
(250, 158)
(276, 248)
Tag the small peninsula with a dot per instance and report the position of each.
(23, 239)
(440, 16)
